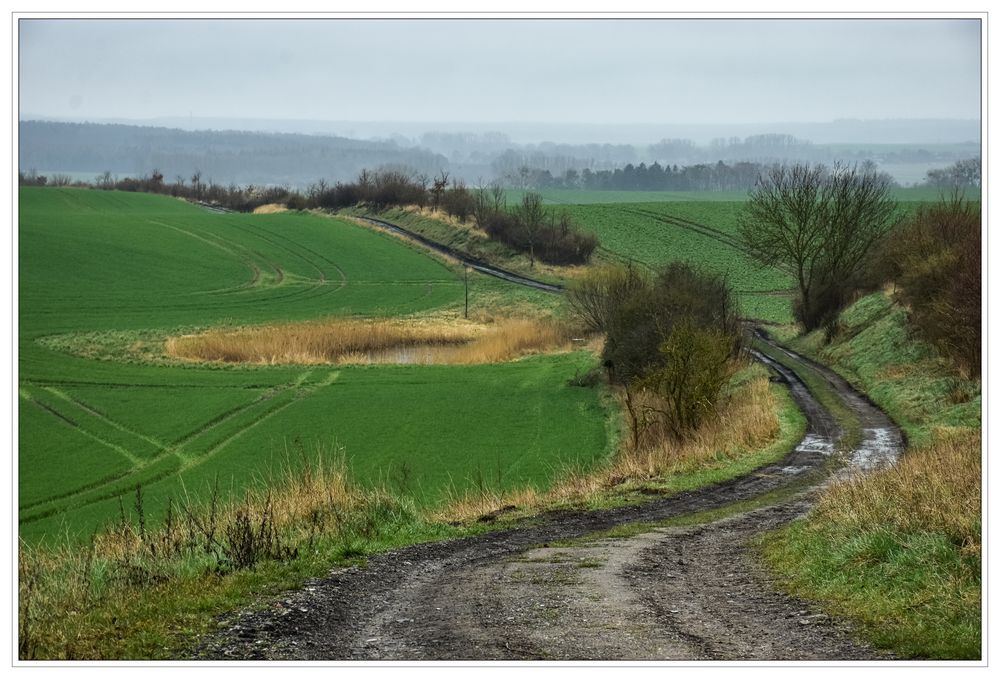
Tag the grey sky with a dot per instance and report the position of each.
(600, 71)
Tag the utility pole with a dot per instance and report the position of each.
(466, 292)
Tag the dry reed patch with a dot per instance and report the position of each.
(269, 209)
(934, 489)
(376, 341)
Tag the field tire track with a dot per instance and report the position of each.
(163, 447)
(705, 230)
(132, 459)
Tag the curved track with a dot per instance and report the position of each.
(692, 593)
(465, 258)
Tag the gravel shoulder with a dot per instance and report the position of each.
(679, 593)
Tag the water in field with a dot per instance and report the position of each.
(417, 354)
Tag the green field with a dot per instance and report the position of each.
(652, 228)
(588, 197)
(703, 233)
(131, 267)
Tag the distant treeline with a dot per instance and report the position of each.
(525, 166)
(655, 177)
(709, 177)
(526, 227)
(225, 156)
(963, 174)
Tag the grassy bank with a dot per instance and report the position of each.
(898, 551)
(142, 592)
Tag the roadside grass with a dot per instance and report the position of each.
(468, 238)
(898, 550)
(149, 590)
(138, 593)
(757, 424)
(879, 354)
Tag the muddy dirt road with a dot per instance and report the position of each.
(691, 593)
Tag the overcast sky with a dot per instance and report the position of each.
(586, 71)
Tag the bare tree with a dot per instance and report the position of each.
(821, 224)
(196, 184)
(531, 216)
(499, 196)
(438, 187)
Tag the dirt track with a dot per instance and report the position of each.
(671, 593)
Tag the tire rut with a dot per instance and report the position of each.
(694, 593)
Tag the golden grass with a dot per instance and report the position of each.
(441, 216)
(746, 422)
(269, 209)
(379, 341)
(59, 586)
(935, 489)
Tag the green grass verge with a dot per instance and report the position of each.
(878, 353)
(911, 589)
(915, 594)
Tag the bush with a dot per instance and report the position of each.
(554, 240)
(458, 201)
(671, 338)
(935, 258)
(694, 366)
(638, 326)
(596, 295)
(635, 331)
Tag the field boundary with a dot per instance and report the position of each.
(464, 258)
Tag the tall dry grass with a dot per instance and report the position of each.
(61, 585)
(745, 422)
(934, 489)
(376, 341)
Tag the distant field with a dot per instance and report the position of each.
(586, 197)
(116, 268)
(657, 227)
(702, 233)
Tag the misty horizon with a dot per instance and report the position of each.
(836, 131)
(620, 72)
